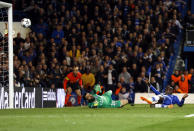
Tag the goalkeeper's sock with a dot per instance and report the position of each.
(79, 99)
(155, 99)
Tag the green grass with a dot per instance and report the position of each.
(137, 118)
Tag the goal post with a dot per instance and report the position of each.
(10, 51)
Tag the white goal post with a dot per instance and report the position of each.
(10, 51)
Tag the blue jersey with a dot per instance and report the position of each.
(172, 99)
(168, 99)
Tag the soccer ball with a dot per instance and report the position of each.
(26, 22)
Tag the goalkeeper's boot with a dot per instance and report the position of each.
(146, 100)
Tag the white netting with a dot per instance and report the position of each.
(4, 70)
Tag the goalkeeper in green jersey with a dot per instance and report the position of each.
(103, 101)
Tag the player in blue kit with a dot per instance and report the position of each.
(166, 100)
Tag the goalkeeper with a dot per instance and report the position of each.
(103, 101)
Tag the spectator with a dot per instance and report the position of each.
(158, 73)
(124, 94)
(88, 80)
(140, 85)
(122, 84)
(75, 52)
(192, 80)
(29, 55)
(100, 75)
(18, 39)
(134, 71)
(175, 77)
(125, 74)
(110, 78)
(183, 82)
(135, 35)
(58, 34)
(132, 90)
(155, 83)
(175, 87)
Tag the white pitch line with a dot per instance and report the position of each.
(191, 115)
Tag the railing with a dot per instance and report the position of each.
(172, 61)
(176, 47)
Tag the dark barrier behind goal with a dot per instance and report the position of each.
(28, 97)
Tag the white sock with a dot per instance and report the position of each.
(154, 99)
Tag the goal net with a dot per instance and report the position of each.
(6, 54)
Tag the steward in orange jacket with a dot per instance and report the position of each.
(183, 83)
(175, 77)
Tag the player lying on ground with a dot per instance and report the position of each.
(103, 101)
(167, 99)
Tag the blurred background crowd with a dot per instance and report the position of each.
(114, 42)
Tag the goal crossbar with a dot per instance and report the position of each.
(4, 4)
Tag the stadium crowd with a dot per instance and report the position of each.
(114, 42)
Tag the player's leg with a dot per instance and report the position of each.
(152, 100)
(108, 93)
(118, 104)
(79, 96)
(76, 89)
(124, 102)
(132, 97)
(69, 91)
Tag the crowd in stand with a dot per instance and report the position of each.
(114, 42)
(183, 82)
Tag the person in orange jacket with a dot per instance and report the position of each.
(175, 77)
(73, 82)
(175, 81)
(183, 82)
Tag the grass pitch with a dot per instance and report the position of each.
(128, 118)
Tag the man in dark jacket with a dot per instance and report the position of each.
(140, 85)
(110, 78)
